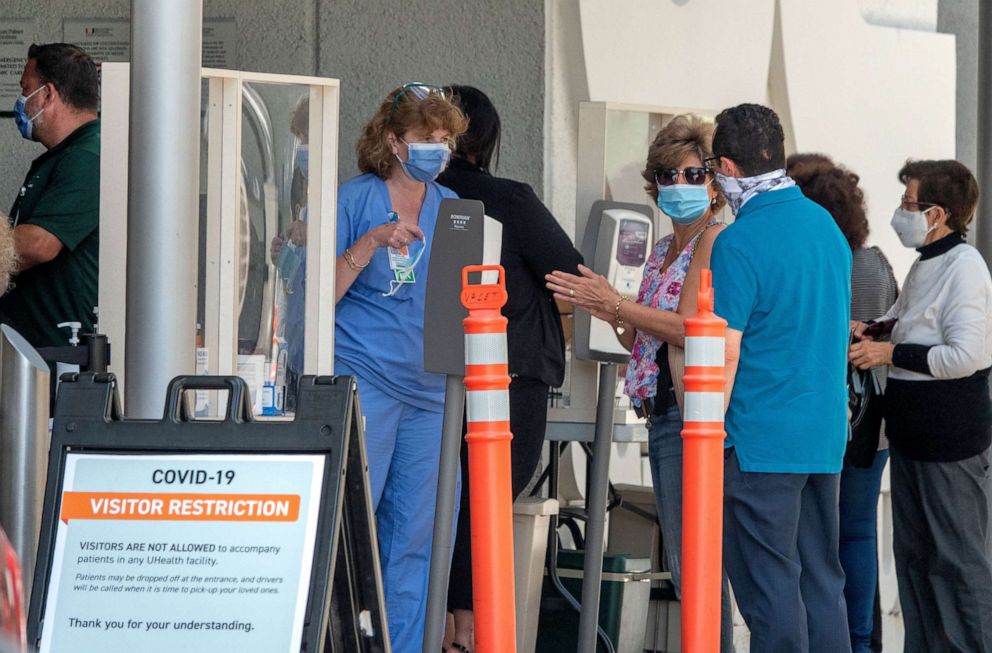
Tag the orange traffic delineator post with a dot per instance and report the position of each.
(487, 400)
(702, 474)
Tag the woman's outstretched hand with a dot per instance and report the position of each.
(590, 291)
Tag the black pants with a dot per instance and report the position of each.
(528, 419)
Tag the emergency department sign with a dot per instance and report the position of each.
(195, 552)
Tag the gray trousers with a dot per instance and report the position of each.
(942, 540)
(781, 533)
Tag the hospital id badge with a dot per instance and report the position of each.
(400, 263)
(399, 259)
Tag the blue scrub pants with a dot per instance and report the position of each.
(403, 443)
(859, 488)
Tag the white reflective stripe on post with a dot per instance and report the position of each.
(703, 407)
(488, 405)
(704, 351)
(485, 349)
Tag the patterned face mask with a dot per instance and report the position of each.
(738, 190)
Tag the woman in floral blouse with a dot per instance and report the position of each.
(653, 327)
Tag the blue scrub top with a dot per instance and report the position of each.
(382, 338)
(782, 277)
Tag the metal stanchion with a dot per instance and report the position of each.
(592, 575)
(444, 514)
(24, 380)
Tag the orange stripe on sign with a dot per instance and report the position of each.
(180, 507)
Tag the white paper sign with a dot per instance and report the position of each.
(16, 35)
(220, 43)
(109, 39)
(104, 39)
(165, 553)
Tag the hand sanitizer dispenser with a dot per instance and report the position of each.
(616, 244)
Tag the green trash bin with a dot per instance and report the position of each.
(623, 604)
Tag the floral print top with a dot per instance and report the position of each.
(659, 289)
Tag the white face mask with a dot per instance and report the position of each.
(911, 227)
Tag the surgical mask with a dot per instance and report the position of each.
(683, 203)
(911, 227)
(425, 161)
(303, 160)
(25, 124)
(738, 190)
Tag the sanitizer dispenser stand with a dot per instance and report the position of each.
(617, 242)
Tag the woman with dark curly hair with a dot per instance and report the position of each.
(873, 291)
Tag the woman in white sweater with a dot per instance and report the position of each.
(938, 413)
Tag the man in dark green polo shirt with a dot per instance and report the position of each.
(56, 215)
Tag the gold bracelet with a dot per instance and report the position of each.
(620, 328)
(349, 258)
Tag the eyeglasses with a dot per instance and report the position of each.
(419, 91)
(908, 204)
(711, 162)
(694, 176)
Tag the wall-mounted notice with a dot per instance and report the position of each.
(220, 43)
(104, 39)
(16, 35)
(165, 553)
(109, 39)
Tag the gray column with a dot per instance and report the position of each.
(983, 234)
(163, 199)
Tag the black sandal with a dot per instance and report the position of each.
(461, 648)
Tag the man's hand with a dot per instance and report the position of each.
(34, 246)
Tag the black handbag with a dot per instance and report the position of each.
(865, 402)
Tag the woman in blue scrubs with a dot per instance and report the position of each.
(385, 223)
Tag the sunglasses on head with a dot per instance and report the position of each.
(418, 91)
(694, 176)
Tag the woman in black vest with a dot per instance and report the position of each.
(534, 244)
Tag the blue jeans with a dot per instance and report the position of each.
(859, 489)
(665, 455)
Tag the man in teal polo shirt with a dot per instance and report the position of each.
(56, 214)
(782, 279)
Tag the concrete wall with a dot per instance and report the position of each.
(497, 45)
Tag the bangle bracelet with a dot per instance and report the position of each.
(349, 258)
(620, 328)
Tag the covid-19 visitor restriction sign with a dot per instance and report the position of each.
(193, 552)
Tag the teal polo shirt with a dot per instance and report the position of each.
(61, 194)
(782, 277)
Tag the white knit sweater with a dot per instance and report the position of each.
(946, 302)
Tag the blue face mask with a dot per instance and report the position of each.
(425, 161)
(303, 160)
(683, 203)
(25, 123)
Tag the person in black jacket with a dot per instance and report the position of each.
(534, 244)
